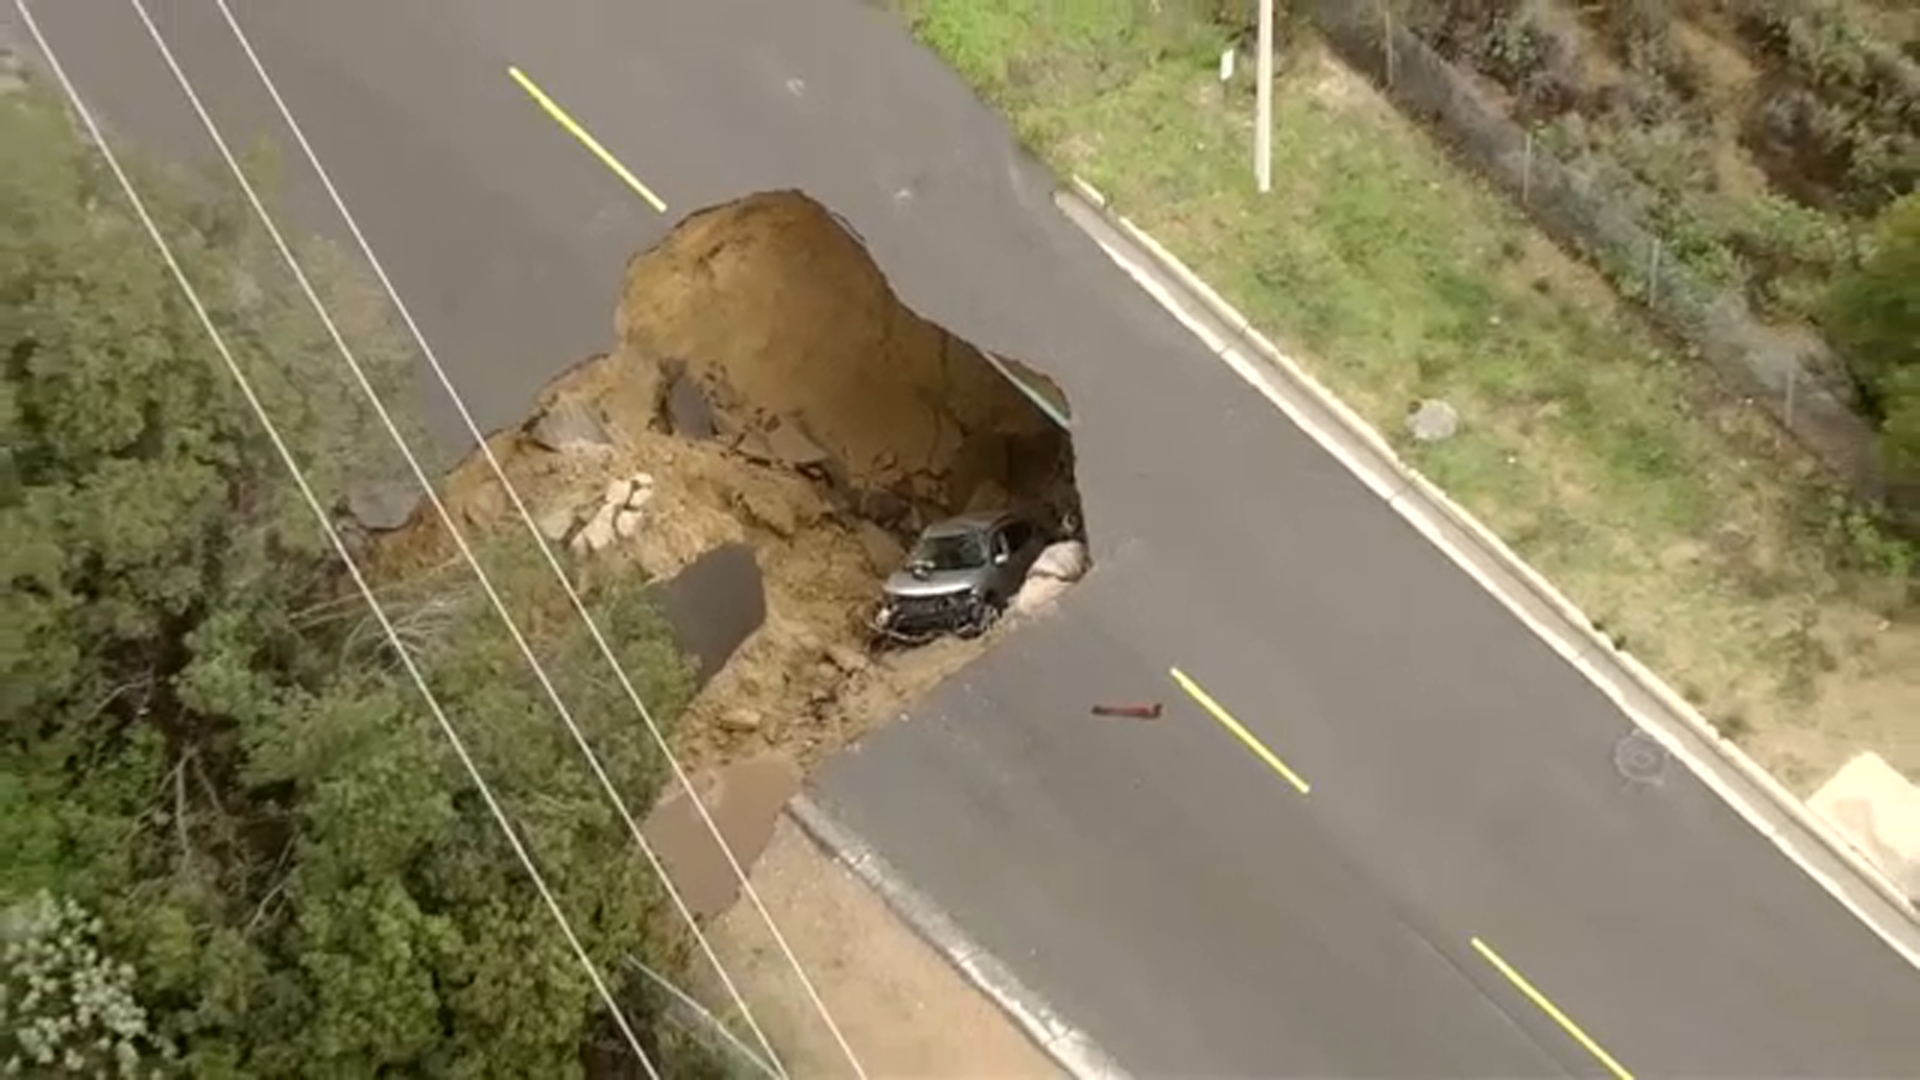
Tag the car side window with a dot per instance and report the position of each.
(1015, 536)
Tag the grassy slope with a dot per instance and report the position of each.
(1672, 513)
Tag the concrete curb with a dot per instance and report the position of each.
(1068, 1046)
(1665, 715)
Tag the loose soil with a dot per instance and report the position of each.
(780, 396)
(904, 1009)
(776, 394)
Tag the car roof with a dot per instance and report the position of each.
(970, 522)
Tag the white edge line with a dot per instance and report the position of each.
(1070, 1048)
(1428, 509)
(593, 628)
(99, 140)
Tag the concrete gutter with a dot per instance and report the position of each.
(1068, 1046)
(1654, 706)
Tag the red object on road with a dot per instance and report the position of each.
(1141, 710)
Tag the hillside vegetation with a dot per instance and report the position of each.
(1668, 504)
(1762, 140)
(232, 840)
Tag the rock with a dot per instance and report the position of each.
(769, 510)
(847, 660)
(753, 446)
(1064, 561)
(884, 553)
(689, 415)
(557, 522)
(639, 491)
(739, 720)
(382, 506)
(1433, 421)
(599, 532)
(568, 424)
(987, 495)
(619, 490)
(791, 445)
(626, 523)
(726, 425)
(883, 507)
(643, 381)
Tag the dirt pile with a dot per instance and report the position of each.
(791, 334)
(767, 389)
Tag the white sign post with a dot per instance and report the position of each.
(1263, 125)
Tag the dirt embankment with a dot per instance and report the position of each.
(768, 389)
(781, 318)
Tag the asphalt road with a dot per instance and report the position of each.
(1168, 891)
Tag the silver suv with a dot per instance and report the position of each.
(959, 576)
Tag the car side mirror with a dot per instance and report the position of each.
(999, 558)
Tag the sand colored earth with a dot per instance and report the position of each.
(905, 1011)
(766, 389)
(775, 393)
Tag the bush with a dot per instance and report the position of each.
(1872, 317)
(202, 739)
(1845, 109)
(64, 1006)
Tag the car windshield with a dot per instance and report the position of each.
(953, 551)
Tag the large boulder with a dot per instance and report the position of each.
(383, 505)
(568, 425)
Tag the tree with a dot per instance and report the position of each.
(202, 741)
(1873, 318)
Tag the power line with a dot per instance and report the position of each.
(446, 518)
(526, 516)
(338, 544)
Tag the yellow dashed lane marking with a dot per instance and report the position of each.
(586, 138)
(1238, 731)
(1553, 1011)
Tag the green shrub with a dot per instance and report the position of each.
(208, 746)
(1872, 316)
(1864, 93)
(64, 1005)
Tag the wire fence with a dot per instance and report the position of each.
(1592, 210)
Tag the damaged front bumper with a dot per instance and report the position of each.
(917, 620)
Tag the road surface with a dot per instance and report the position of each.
(1169, 891)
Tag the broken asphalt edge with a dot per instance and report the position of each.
(1653, 706)
(1068, 1046)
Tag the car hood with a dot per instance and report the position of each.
(937, 583)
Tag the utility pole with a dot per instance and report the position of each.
(1263, 94)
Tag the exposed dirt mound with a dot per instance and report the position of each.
(767, 388)
(786, 324)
